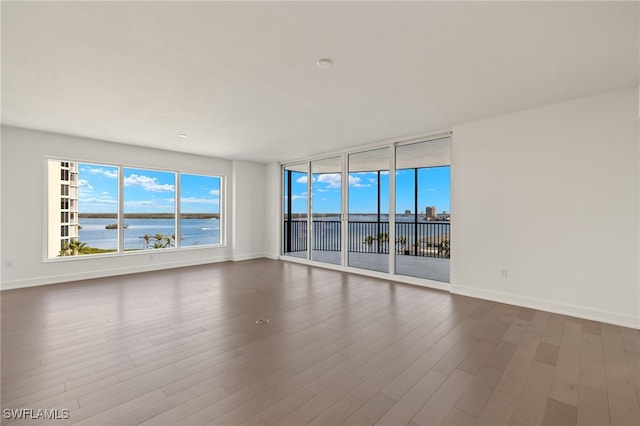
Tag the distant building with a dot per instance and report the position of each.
(431, 212)
(63, 205)
(407, 212)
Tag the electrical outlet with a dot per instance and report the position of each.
(504, 273)
(8, 263)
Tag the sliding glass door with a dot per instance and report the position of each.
(295, 208)
(337, 210)
(423, 211)
(368, 231)
(326, 210)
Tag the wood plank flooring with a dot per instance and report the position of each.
(183, 347)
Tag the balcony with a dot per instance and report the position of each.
(421, 249)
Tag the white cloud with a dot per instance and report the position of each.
(99, 200)
(84, 185)
(297, 197)
(214, 192)
(332, 179)
(199, 200)
(303, 179)
(100, 171)
(148, 183)
(138, 203)
(355, 181)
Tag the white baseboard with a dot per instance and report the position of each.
(608, 317)
(55, 279)
(241, 257)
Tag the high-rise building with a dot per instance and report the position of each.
(63, 205)
(431, 212)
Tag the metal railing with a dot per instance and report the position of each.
(426, 239)
(295, 235)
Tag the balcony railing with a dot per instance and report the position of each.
(426, 239)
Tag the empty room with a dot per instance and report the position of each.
(323, 213)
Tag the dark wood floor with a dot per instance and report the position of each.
(183, 347)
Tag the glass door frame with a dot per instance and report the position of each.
(339, 159)
(345, 189)
(286, 231)
(391, 191)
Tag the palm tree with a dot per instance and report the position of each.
(73, 248)
(403, 242)
(146, 239)
(170, 240)
(382, 240)
(158, 241)
(66, 250)
(368, 240)
(444, 248)
(80, 248)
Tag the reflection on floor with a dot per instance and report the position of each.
(431, 268)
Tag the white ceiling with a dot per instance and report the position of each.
(240, 78)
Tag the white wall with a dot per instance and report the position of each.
(552, 195)
(24, 154)
(249, 218)
(273, 202)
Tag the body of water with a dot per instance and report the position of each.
(365, 233)
(198, 232)
(195, 232)
(360, 217)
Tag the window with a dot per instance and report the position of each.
(326, 209)
(383, 209)
(84, 204)
(368, 244)
(83, 201)
(199, 210)
(295, 211)
(423, 209)
(149, 209)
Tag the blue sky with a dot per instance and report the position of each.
(433, 190)
(98, 187)
(199, 194)
(145, 191)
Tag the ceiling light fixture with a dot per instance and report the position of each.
(324, 63)
(182, 135)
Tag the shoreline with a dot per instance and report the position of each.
(149, 215)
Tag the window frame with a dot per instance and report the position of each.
(177, 173)
(390, 197)
(179, 212)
